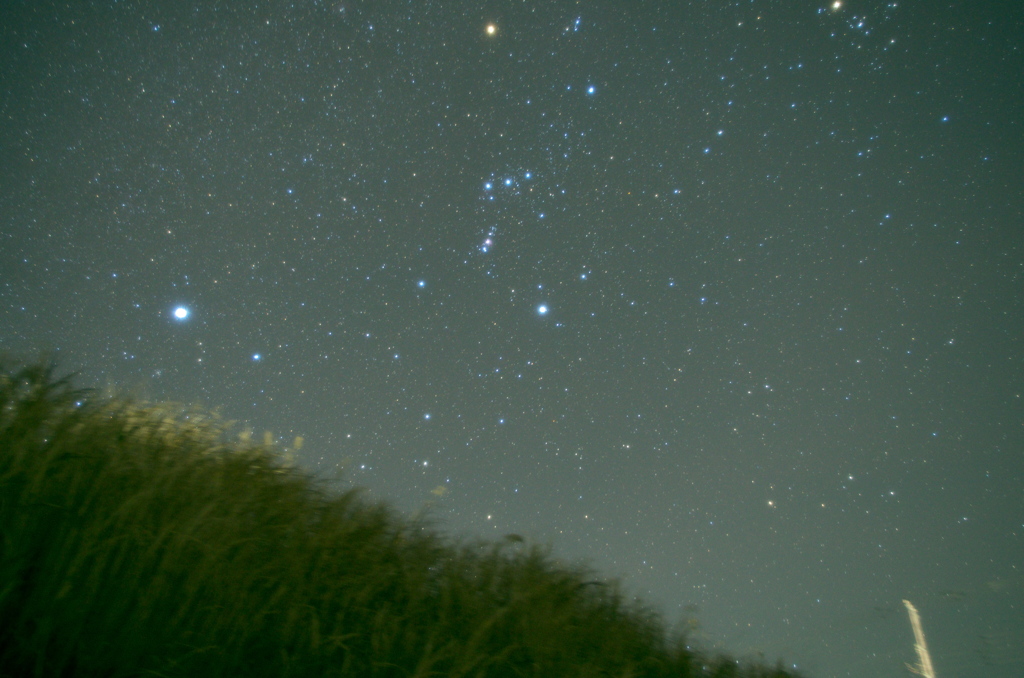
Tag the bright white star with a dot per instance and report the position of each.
(181, 313)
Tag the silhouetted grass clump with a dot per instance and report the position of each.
(142, 541)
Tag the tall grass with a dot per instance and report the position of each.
(141, 541)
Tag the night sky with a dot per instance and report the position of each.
(725, 298)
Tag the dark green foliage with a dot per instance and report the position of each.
(139, 541)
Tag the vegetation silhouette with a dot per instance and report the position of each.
(143, 540)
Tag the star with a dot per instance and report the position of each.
(491, 29)
(181, 313)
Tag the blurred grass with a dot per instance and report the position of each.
(141, 541)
